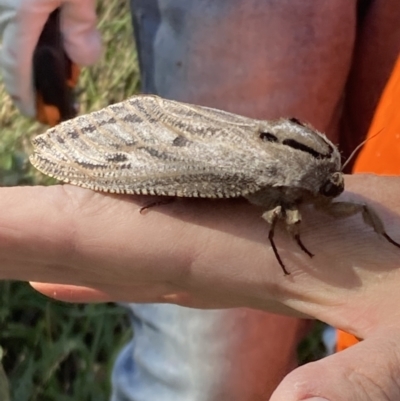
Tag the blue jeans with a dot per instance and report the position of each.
(260, 58)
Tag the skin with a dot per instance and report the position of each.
(215, 254)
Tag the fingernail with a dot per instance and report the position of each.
(316, 399)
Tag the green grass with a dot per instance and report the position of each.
(50, 350)
(56, 351)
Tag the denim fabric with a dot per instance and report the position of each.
(183, 354)
(260, 58)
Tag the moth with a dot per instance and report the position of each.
(147, 145)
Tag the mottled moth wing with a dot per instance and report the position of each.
(149, 145)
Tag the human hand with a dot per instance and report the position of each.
(21, 23)
(200, 253)
(216, 254)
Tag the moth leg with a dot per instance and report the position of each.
(272, 216)
(165, 201)
(293, 220)
(370, 217)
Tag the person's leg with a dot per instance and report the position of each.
(260, 58)
(183, 354)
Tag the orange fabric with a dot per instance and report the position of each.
(380, 155)
(344, 340)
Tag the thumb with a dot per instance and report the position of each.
(368, 371)
(82, 41)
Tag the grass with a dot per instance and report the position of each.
(50, 350)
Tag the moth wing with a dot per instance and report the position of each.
(149, 145)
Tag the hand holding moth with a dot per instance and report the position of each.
(148, 145)
(213, 254)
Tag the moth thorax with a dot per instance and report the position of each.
(333, 186)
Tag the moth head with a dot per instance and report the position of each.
(333, 186)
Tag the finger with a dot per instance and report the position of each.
(367, 371)
(212, 250)
(71, 293)
(82, 40)
(66, 234)
(69, 235)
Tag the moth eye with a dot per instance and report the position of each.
(334, 186)
(296, 121)
(268, 137)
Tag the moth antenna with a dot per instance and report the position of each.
(358, 147)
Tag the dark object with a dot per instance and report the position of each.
(54, 75)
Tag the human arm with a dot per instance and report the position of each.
(208, 253)
(215, 254)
